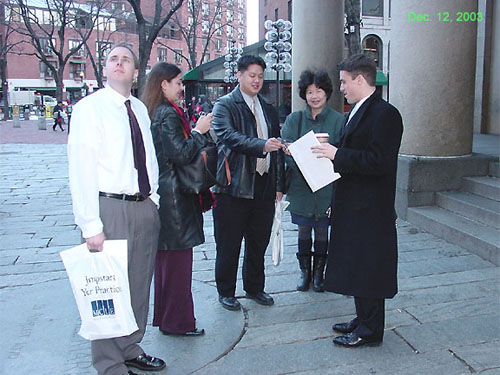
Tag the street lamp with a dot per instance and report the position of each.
(231, 64)
(278, 46)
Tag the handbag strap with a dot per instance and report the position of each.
(299, 129)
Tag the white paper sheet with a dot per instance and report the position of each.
(318, 172)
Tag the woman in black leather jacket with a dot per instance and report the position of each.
(181, 214)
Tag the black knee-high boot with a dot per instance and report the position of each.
(320, 248)
(304, 257)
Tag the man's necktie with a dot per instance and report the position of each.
(139, 152)
(261, 162)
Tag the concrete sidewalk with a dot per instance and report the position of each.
(445, 319)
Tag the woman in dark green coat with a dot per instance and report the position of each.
(180, 214)
(308, 209)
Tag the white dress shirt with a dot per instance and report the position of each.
(356, 107)
(101, 157)
(262, 119)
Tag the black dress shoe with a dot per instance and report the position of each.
(230, 303)
(146, 363)
(344, 327)
(262, 298)
(352, 340)
(131, 373)
(196, 332)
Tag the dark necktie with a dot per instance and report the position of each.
(139, 152)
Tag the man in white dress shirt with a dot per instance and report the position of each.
(113, 175)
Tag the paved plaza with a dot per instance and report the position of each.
(445, 320)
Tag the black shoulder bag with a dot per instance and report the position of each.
(288, 170)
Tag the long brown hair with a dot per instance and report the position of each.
(152, 95)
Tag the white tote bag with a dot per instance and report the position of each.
(100, 285)
(277, 231)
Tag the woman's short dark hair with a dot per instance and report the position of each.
(152, 95)
(320, 78)
(245, 61)
(360, 64)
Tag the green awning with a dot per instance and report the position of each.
(381, 79)
(192, 75)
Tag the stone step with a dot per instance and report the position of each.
(478, 238)
(494, 169)
(488, 187)
(475, 207)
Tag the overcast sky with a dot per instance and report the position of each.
(252, 21)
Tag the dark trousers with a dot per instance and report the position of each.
(235, 219)
(139, 224)
(370, 319)
(173, 306)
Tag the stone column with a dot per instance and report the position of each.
(432, 75)
(493, 115)
(318, 42)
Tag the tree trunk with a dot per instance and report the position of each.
(3, 77)
(353, 12)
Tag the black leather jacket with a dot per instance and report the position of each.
(235, 127)
(180, 214)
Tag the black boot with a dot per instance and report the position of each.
(305, 271)
(318, 272)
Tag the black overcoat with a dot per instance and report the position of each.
(180, 214)
(363, 256)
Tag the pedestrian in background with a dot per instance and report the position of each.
(180, 213)
(57, 115)
(308, 209)
(113, 176)
(363, 256)
(246, 125)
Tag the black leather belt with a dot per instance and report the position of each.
(124, 197)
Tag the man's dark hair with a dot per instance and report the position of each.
(320, 78)
(360, 64)
(127, 46)
(245, 61)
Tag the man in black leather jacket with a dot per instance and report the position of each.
(246, 125)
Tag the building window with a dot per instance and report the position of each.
(241, 33)
(218, 28)
(218, 44)
(80, 52)
(205, 26)
(373, 8)
(229, 15)
(241, 18)
(118, 5)
(162, 54)
(241, 4)
(230, 3)
(206, 58)
(174, 33)
(77, 71)
(218, 12)
(205, 9)
(45, 72)
(102, 49)
(276, 14)
(177, 56)
(372, 47)
(229, 31)
(46, 46)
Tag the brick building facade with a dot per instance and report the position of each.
(26, 72)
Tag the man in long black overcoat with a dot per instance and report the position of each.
(362, 260)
